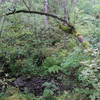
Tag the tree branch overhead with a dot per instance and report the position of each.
(39, 13)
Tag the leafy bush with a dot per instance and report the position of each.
(89, 75)
(71, 63)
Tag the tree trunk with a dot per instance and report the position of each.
(46, 11)
(74, 3)
(66, 18)
(65, 10)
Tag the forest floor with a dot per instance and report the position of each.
(36, 84)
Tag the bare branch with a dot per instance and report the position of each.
(26, 5)
(39, 13)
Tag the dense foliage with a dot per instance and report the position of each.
(41, 56)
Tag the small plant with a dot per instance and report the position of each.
(71, 63)
(49, 91)
(89, 75)
(52, 64)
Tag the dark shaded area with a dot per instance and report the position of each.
(36, 85)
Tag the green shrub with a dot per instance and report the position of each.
(89, 75)
(71, 63)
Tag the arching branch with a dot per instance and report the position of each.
(39, 13)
